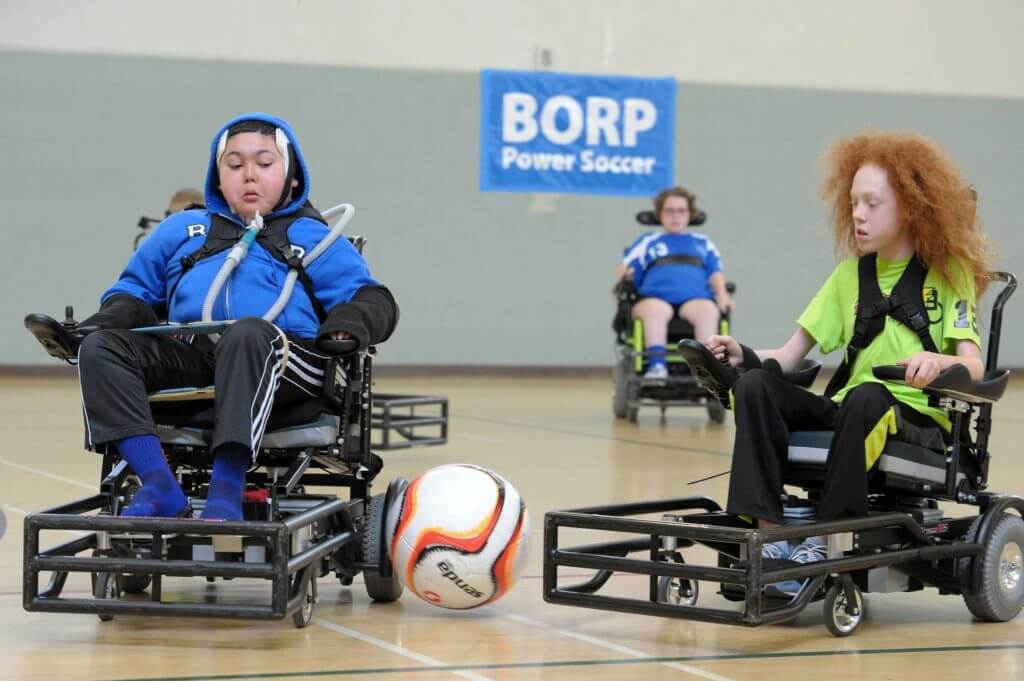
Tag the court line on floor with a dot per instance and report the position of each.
(593, 436)
(398, 650)
(52, 476)
(579, 663)
(608, 645)
(22, 512)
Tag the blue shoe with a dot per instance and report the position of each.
(811, 550)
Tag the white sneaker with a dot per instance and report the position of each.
(811, 550)
(656, 371)
(777, 550)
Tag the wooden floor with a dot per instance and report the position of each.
(555, 439)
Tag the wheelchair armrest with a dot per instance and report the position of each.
(59, 340)
(804, 373)
(337, 348)
(956, 382)
(198, 328)
(625, 296)
(625, 288)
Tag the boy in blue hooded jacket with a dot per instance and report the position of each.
(256, 167)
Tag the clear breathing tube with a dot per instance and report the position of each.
(238, 251)
(241, 249)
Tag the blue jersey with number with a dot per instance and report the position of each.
(675, 282)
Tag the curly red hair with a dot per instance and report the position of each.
(936, 204)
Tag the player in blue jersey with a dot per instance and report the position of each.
(257, 179)
(676, 272)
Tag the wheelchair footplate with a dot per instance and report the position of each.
(129, 554)
(859, 550)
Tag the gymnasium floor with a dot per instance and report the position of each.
(555, 439)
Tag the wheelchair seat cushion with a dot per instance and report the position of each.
(321, 432)
(900, 459)
(678, 329)
(310, 423)
(199, 413)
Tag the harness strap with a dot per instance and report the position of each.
(282, 250)
(905, 304)
(224, 234)
(677, 260)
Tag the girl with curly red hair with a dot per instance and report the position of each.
(904, 212)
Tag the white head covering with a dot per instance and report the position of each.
(279, 137)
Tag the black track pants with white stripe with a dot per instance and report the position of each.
(118, 368)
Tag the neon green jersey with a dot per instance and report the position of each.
(830, 316)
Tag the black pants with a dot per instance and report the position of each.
(252, 367)
(768, 408)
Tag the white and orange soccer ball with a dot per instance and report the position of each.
(459, 536)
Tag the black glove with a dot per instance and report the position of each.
(370, 317)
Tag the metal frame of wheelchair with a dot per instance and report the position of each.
(289, 538)
(904, 544)
(631, 390)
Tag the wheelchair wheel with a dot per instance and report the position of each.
(841, 616)
(1000, 594)
(374, 545)
(135, 584)
(633, 395)
(620, 378)
(716, 411)
(105, 586)
(304, 615)
(678, 591)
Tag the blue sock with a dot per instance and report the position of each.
(224, 501)
(160, 494)
(655, 355)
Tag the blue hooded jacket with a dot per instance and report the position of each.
(154, 271)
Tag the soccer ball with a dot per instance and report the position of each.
(459, 536)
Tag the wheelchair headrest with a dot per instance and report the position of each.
(647, 217)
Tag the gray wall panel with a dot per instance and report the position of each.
(90, 143)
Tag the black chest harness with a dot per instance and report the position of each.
(224, 234)
(677, 260)
(905, 304)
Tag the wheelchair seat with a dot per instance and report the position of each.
(678, 329)
(311, 423)
(903, 466)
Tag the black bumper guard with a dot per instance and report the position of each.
(751, 575)
(289, 570)
(404, 421)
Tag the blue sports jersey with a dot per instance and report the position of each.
(675, 283)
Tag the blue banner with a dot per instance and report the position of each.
(565, 133)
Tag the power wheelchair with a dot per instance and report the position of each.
(907, 542)
(631, 389)
(290, 535)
